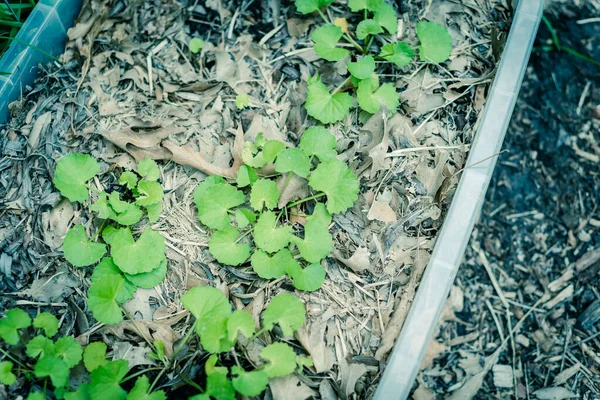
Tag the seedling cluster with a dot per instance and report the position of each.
(253, 207)
(132, 263)
(378, 21)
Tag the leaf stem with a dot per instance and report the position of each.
(139, 373)
(346, 36)
(341, 85)
(316, 196)
(190, 382)
(249, 231)
(8, 355)
(185, 339)
(366, 50)
(566, 49)
(162, 371)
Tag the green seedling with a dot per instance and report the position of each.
(378, 21)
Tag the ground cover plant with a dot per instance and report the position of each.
(12, 16)
(274, 265)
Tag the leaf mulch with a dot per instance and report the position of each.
(523, 317)
(129, 88)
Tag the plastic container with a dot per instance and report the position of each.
(404, 362)
(44, 31)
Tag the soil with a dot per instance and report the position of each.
(127, 87)
(531, 331)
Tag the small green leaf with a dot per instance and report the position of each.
(293, 160)
(107, 270)
(47, 322)
(14, 320)
(105, 381)
(37, 396)
(80, 251)
(71, 174)
(260, 140)
(309, 279)
(135, 257)
(213, 207)
(249, 383)
(264, 193)
(82, 393)
(150, 193)
(268, 236)
(6, 376)
(94, 355)
(385, 16)
(148, 169)
(102, 208)
(69, 350)
(222, 245)
(203, 186)
(309, 6)
(252, 157)
(399, 53)
(271, 149)
(103, 299)
(140, 391)
(286, 311)
(148, 280)
(367, 27)
(40, 346)
(282, 359)
(272, 267)
(196, 45)
(358, 5)
(326, 38)
(53, 367)
(436, 42)
(122, 212)
(371, 101)
(318, 141)
(128, 179)
(244, 217)
(242, 101)
(154, 211)
(240, 321)
(218, 386)
(246, 176)
(214, 337)
(363, 68)
(317, 242)
(108, 233)
(338, 182)
(320, 214)
(323, 106)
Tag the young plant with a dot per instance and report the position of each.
(219, 329)
(378, 21)
(53, 361)
(133, 262)
(255, 208)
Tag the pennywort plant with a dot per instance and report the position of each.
(219, 328)
(50, 363)
(133, 262)
(252, 222)
(378, 25)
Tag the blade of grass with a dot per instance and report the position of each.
(34, 47)
(11, 10)
(15, 24)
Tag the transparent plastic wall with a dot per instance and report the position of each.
(44, 31)
(404, 362)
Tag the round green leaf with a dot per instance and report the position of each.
(195, 45)
(371, 101)
(367, 27)
(358, 5)
(436, 42)
(94, 355)
(218, 386)
(309, 279)
(272, 267)
(148, 169)
(148, 280)
(47, 322)
(105, 381)
(318, 141)
(320, 214)
(106, 270)
(292, 160)
(40, 346)
(246, 176)
(240, 321)
(363, 68)
(335, 179)
(150, 192)
(69, 350)
(317, 241)
(249, 383)
(129, 179)
(103, 299)
(309, 6)
(140, 391)
(121, 211)
(242, 101)
(213, 206)
(286, 311)
(264, 193)
(244, 217)
(326, 38)
(252, 157)
(222, 245)
(71, 174)
(135, 257)
(204, 185)
(154, 211)
(6, 376)
(80, 251)
(282, 359)
(323, 106)
(399, 53)
(14, 320)
(53, 367)
(271, 149)
(385, 16)
(268, 236)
